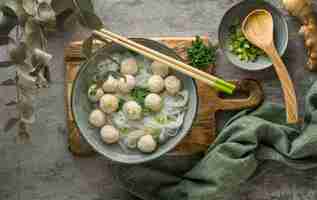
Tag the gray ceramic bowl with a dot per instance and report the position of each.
(81, 107)
(239, 12)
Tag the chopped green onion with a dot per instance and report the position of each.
(241, 47)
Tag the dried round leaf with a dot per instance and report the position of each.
(90, 20)
(87, 16)
(30, 7)
(33, 35)
(60, 6)
(31, 26)
(41, 57)
(84, 5)
(86, 49)
(15, 6)
(26, 67)
(27, 112)
(26, 94)
(5, 10)
(41, 81)
(23, 133)
(33, 40)
(70, 22)
(45, 13)
(25, 80)
(47, 74)
(26, 98)
(18, 53)
(7, 22)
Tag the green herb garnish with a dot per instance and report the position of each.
(121, 102)
(93, 91)
(241, 47)
(124, 131)
(146, 111)
(155, 132)
(163, 119)
(201, 55)
(138, 94)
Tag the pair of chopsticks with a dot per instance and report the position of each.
(215, 82)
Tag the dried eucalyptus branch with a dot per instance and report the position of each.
(28, 52)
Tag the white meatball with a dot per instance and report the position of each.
(159, 68)
(172, 84)
(109, 134)
(95, 93)
(133, 137)
(132, 110)
(147, 144)
(127, 84)
(109, 103)
(129, 66)
(110, 85)
(156, 84)
(97, 118)
(153, 102)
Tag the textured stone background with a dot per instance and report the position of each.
(44, 169)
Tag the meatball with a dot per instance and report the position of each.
(159, 68)
(147, 144)
(109, 103)
(156, 84)
(129, 66)
(172, 85)
(109, 134)
(132, 110)
(110, 85)
(127, 84)
(133, 137)
(97, 118)
(153, 102)
(95, 93)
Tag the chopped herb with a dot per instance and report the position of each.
(163, 119)
(141, 65)
(124, 131)
(146, 111)
(155, 132)
(138, 94)
(201, 55)
(121, 102)
(241, 47)
(93, 91)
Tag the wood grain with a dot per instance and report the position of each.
(287, 86)
(258, 27)
(204, 128)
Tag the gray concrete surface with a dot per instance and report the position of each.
(45, 170)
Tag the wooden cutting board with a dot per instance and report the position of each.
(203, 131)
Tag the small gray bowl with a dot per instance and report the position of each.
(81, 107)
(239, 12)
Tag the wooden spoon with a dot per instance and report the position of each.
(258, 29)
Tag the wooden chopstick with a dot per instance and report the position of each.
(171, 62)
(170, 59)
(176, 62)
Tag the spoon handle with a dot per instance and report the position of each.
(287, 86)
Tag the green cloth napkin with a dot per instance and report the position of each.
(247, 139)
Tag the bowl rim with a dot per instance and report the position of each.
(223, 46)
(83, 67)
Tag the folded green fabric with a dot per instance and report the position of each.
(251, 136)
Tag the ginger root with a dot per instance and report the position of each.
(304, 11)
